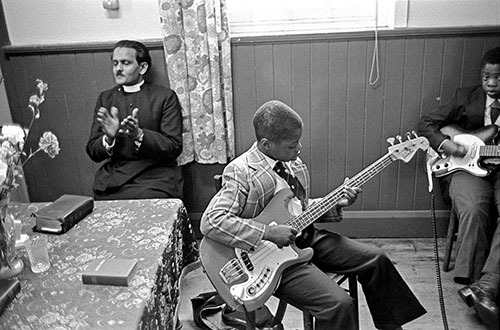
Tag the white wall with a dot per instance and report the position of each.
(452, 13)
(70, 21)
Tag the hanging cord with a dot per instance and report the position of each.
(436, 260)
(375, 65)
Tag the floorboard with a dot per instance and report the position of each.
(414, 259)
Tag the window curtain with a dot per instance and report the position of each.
(198, 55)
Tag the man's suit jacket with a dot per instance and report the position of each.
(161, 120)
(465, 109)
(249, 184)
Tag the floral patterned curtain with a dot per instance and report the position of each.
(198, 54)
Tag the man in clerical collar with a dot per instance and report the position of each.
(137, 130)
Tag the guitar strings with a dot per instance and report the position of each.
(300, 221)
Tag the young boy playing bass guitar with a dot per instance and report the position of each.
(249, 184)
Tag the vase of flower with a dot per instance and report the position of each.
(10, 264)
(13, 156)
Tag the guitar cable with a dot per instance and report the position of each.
(436, 260)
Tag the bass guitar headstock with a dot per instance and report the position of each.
(404, 150)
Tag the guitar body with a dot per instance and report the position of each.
(250, 278)
(474, 141)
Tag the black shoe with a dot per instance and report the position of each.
(483, 300)
(487, 311)
(468, 295)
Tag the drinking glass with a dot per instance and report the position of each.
(38, 253)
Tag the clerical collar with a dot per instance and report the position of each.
(133, 88)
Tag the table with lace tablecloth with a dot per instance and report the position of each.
(157, 232)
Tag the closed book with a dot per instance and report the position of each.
(107, 271)
(9, 288)
(62, 214)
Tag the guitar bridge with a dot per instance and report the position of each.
(233, 272)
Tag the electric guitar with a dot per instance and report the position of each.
(246, 280)
(477, 151)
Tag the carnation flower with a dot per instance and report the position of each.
(49, 144)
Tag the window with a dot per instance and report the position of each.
(276, 17)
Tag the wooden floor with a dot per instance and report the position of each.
(414, 259)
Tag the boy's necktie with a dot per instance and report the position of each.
(495, 110)
(294, 183)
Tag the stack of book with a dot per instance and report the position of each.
(61, 215)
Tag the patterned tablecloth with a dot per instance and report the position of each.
(157, 232)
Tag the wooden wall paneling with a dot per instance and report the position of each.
(18, 86)
(84, 117)
(25, 72)
(358, 120)
(393, 78)
(491, 41)
(264, 73)
(430, 96)
(61, 173)
(338, 113)
(64, 118)
(409, 190)
(103, 71)
(452, 66)
(318, 118)
(471, 61)
(244, 96)
(158, 70)
(356, 88)
(301, 98)
(375, 144)
(282, 66)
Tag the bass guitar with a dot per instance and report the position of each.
(245, 280)
(479, 147)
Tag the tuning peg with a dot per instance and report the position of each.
(408, 135)
(391, 140)
(400, 139)
(414, 134)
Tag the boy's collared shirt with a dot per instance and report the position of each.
(487, 112)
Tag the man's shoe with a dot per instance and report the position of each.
(468, 295)
(483, 300)
(488, 312)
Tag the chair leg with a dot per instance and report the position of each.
(280, 312)
(353, 292)
(308, 321)
(250, 318)
(450, 237)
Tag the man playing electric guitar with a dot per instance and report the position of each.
(249, 184)
(472, 196)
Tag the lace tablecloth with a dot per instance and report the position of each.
(157, 232)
